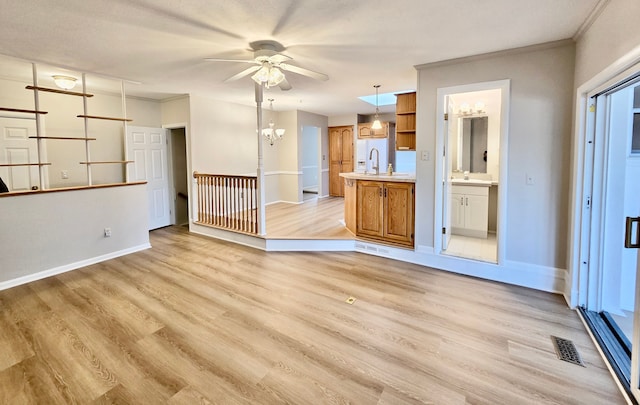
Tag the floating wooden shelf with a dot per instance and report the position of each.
(64, 138)
(23, 164)
(47, 89)
(107, 162)
(23, 111)
(97, 117)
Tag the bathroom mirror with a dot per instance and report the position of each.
(470, 152)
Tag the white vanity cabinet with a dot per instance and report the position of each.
(470, 210)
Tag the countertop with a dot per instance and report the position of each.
(397, 177)
(473, 182)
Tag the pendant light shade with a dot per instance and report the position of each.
(376, 121)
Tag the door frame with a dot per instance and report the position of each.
(587, 205)
(170, 171)
(584, 235)
(501, 229)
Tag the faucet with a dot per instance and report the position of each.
(377, 166)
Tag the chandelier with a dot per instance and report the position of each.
(272, 134)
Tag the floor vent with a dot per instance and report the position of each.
(566, 351)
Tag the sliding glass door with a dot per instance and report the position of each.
(612, 307)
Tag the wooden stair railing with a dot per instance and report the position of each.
(227, 202)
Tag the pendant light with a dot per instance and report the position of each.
(272, 133)
(376, 122)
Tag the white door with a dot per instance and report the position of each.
(147, 147)
(17, 148)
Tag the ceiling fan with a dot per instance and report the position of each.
(268, 66)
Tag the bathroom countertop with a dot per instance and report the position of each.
(383, 176)
(473, 182)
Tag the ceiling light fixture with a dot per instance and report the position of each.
(64, 82)
(269, 75)
(272, 134)
(376, 123)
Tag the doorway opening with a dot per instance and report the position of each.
(311, 163)
(179, 175)
(472, 135)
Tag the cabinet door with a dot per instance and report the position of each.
(335, 162)
(477, 209)
(364, 131)
(370, 208)
(398, 212)
(340, 157)
(457, 210)
(347, 149)
(382, 132)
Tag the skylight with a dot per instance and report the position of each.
(383, 98)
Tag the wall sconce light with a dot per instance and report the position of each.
(65, 82)
(465, 108)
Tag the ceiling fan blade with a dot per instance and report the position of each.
(284, 85)
(304, 72)
(278, 58)
(230, 60)
(244, 73)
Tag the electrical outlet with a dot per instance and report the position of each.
(424, 155)
(64, 174)
(107, 232)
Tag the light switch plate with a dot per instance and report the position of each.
(424, 155)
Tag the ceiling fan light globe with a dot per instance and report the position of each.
(275, 76)
(262, 75)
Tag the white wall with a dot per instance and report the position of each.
(539, 138)
(223, 137)
(612, 35)
(51, 232)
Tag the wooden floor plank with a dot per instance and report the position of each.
(195, 320)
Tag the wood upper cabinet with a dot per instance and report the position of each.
(406, 121)
(365, 131)
(340, 157)
(385, 211)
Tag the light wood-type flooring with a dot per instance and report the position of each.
(197, 321)
(316, 218)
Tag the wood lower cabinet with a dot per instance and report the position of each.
(385, 211)
(340, 157)
(370, 209)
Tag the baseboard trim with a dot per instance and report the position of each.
(71, 266)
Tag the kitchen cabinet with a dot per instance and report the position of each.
(470, 211)
(385, 211)
(406, 121)
(365, 131)
(340, 157)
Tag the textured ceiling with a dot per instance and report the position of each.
(358, 43)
